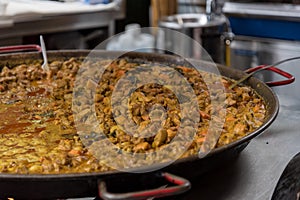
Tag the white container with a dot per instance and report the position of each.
(3, 6)
(132, 40)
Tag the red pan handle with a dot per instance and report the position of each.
(290, 77)
(17, 48)
(181, 185)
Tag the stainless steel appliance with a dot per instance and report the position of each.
(264, 34)
(201, 29)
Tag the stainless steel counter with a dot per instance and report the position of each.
(45, 24)
(60, 23)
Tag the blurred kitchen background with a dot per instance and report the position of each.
(240, 33)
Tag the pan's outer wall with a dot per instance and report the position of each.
(85, 185)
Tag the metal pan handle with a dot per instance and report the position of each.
(19, 48)
(290, 77)
(181, 185)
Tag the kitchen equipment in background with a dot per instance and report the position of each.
(198, 6)
(209, 28)
(191, 6)
(266, 33)
(277, 21)
(207, 31)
